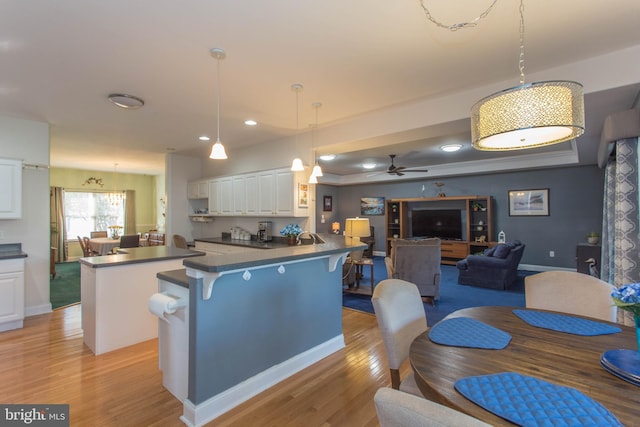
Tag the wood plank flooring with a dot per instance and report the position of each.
(47, 362)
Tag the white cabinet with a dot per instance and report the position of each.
(251, 194)
(266, 193)
(11, 189)
(225, 196)
(11, 294)
(285, 192)
(198, 190)
(239, 195)
(214, 197)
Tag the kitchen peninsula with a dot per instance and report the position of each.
(115, 292)
(258, 317)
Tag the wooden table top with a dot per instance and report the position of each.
(556, 357)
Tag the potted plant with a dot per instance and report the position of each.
(476, 206)
(593, 238)
(291, 232)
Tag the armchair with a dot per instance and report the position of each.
(416, 261)
(497, 268)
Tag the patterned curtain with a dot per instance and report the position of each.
(58, 230)
(621, 219)
(130, 212)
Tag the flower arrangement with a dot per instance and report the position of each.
(627, 298)
(291, 230)
(115, 230)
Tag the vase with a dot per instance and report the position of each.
(291, 240)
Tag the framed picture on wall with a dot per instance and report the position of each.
(372, 206)
(529, 202)
(303, 195)
(327, 203)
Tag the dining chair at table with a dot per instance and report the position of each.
(95, 234)
(401, 318)
(85, 245)
(570, 292)
(179, 241)
(130, 241)
(399, 409)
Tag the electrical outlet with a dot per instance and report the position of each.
(552, 254)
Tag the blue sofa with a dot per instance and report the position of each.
(497, 268)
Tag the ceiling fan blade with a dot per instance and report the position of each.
(416, 170)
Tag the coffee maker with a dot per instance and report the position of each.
(264, 231)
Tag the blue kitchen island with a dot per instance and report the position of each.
(257, 318)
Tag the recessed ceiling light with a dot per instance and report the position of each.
(368, 165)
(250, 122)
(328, 157)
(204, 138)
(449, 148)
(123, 100)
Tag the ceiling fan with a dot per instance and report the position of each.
(399, 170)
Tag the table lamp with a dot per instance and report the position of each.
(355, 228)
(335, 227)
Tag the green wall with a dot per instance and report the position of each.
(146, 188)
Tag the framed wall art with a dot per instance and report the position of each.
(372, 206)
(529, 202)
(303, 195)
(327, 203)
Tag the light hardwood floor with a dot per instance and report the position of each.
(47, 362)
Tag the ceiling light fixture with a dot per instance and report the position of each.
(317, 170)
(250, 122)
(327, 157)
(368, 165)
(204, 138)
(297, 165)
(450, 148)
(217, 151)
(123, 100)
(529, 115)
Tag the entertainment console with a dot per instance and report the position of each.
(475, 227)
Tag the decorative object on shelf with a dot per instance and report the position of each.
(297, 165)
(115, 231)
(291, 233)
(593, 238)
(92, 180)
(439, 186)
(481, 239)
(502, 238)
(476, 206)
(217, 150)
(372, 206)
(327, 203)
(529, 115)
(529, 202)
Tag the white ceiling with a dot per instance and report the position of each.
(60, 59)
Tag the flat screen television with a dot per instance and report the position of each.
(443, 223)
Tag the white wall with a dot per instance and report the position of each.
(29, 142)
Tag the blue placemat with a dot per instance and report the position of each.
(466, 332)
(529, 401)
(565, 323)
(622, 363)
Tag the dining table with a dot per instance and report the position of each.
(104, 245)
(555, 357)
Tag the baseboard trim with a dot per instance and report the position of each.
(38, 309)
(197, 415)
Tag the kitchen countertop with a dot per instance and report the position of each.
(280, 253)
(11, 251)
(177, 277)
(139, 255)
(273, 244)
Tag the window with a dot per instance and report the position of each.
(85, 212)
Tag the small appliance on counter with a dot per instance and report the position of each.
(264, 231)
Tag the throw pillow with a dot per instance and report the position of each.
(490, 251)
(502, 251)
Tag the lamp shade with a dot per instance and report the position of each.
(217, 151)
(335, 227)
(357, 227)
(297, 165)
(527, 116)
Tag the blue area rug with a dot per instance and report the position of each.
(452, 295)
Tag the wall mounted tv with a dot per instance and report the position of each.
(443, 223)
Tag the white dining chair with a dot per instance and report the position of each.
(570, 292)
(401, 318)
(398, 409)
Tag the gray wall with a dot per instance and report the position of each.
(575, 205)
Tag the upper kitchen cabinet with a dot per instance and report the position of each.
(198, 189)
(11, 189)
